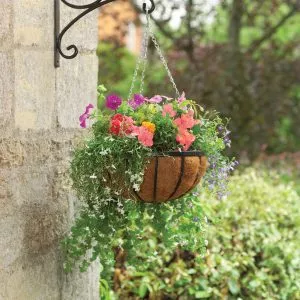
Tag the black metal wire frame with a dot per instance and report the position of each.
(87, 8)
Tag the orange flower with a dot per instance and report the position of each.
(150, 126)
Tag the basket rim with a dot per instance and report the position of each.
(179, 153)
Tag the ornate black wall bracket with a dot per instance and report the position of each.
(87, 8)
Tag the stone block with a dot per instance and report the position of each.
(34, 89)
(33, 24)
(76, 87)
(11, 236)
(37, 279)
(6, 89)
(6, 36)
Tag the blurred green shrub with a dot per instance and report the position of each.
(253, 249)
(116, 68)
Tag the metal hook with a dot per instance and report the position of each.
(145, 9)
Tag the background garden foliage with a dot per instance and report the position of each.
(252, 242)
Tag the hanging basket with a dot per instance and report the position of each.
(171, 176)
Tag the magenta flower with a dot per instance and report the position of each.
(137, 101)
(85, 115)
(113, 101)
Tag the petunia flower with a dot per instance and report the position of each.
(182, 97)
(120, 125)
(168, 110)
(186, 121)
(85, 115)
(155, 99)
(113, 101)
(137, 101)
(145, 137)
(185, 138)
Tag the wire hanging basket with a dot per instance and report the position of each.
(171, 175)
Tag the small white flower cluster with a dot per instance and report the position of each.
(136, 179)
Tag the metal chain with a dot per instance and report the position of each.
(143, 59)
(162, 58)
(142, 56)
(145, 62)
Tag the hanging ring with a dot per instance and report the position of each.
(146, 10)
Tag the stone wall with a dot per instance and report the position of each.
(39, 109)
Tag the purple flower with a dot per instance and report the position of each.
(220, 128)
(113, 101)
(85, 116)
(137, 101)
(155, 99)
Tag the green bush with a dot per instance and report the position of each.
(252, 249)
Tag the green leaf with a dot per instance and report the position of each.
(202, 294)
(143, 289)
(233, 286)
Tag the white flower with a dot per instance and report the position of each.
(121, 211)
(107, 190)
(93, 176)
(136, 187)
(103, 152)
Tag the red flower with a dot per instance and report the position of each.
(120, 125)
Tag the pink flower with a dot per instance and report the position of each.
(182, 97)
(185, 138)
(155, 99)
(145, 137)
(186, 121)
(168, 110)
(85, 115)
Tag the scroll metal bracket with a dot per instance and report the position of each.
(59, 34)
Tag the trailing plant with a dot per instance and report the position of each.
(108, 171)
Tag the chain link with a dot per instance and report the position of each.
(143, 59)
(142, 56)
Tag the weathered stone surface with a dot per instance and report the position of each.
(34, 89)
(39, 108)
(6, 88)
(71, 102)
(33, 25)
(6, 37)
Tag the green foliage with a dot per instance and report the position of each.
(252, 248)
(116, 68)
